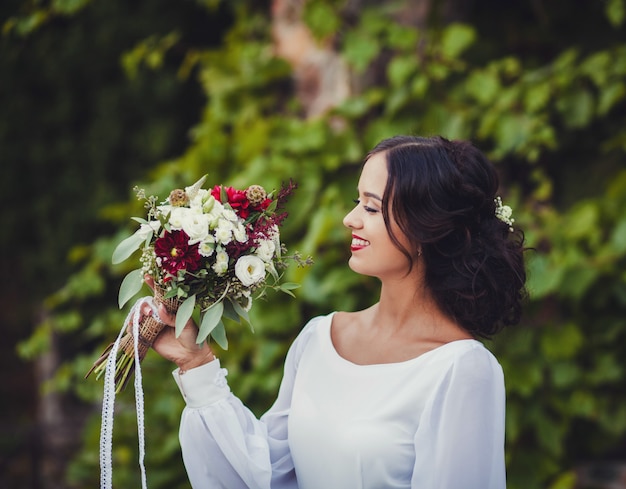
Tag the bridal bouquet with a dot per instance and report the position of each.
(208, 251)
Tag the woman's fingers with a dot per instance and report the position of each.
(149, 281)
(166, 317)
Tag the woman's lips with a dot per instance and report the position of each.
(358, 243)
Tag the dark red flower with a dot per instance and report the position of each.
(176, 254)
(264, 204)
(235, 198)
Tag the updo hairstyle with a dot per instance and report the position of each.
(441, 194)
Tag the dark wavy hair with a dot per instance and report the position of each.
(441, 194)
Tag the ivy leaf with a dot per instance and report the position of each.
(130, 286)
(126, 248)
(210, 319)
(184, 313)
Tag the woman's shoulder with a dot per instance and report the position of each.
(313, 326)
(468, 361)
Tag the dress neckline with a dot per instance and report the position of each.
(467, 342)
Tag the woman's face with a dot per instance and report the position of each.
(373, 251)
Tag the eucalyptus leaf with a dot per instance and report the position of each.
(219, 335)
(210, 319)
(126, 248)
(130, 286)
(229, 311)
(184, 313)
(242, 314)
(289, 286)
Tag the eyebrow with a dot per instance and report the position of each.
(374, 196)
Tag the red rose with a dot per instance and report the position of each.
(176, 254)
(236, 199)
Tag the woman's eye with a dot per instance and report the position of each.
(367, 208)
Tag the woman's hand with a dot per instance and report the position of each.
(183, 351)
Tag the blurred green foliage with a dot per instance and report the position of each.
(546, 105)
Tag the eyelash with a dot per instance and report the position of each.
(368, 209)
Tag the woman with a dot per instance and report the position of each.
(399, 395)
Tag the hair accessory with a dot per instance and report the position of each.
(504, 213)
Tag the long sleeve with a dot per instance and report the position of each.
(460, 440)
(224, 445)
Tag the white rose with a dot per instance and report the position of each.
(177, 217)
(249, 270)
(196, 226)
(221, 262)
(265, 250)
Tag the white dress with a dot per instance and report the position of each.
(433, 422)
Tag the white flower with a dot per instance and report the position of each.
(224, 231)
(207, 246)
(265, 250)
(145, 229)
(276, 239)
(504, 213)
(230, 214)
(196, 225)
(250, 269)
(199, 200)
(240, 233)
(214, 213)
(221, 262)
(177, 217)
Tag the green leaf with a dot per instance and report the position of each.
(184, 313)
(229, 311)
(210, 319)
(561, 343)
(360, 49)
(400, 70)
(577, 108)
(456, 39)
(484, 86)
(219, 335)
(243, 314)
(615, 12)
(126, 248)
(69, 7)
(618, 237)
(289, 286)
(130, 286)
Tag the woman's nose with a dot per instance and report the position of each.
(351, 221)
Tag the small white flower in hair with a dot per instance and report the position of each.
(504, 213)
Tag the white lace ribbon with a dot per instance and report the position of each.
(108, 401)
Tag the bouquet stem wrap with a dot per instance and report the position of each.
(110, 383)
(149, 329)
